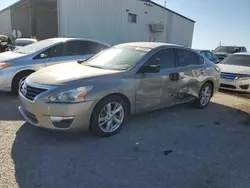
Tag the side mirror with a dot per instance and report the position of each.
(150, 69)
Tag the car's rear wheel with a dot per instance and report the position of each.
(205, 96)
(109, 116)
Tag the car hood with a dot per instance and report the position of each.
(65, 73)
(7, 56)
(234, 69)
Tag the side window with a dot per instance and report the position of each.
(243, 49)
(186, 58)
(204, 53)
(165, 58)
(209, 55)
(43, 55)
(75, 48)
(55, 51)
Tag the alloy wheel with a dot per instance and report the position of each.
(205, 95)
(111, 117)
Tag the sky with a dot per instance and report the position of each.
(225, 21)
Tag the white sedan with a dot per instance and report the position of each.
(235, 72)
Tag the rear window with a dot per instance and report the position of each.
(240, 60)
(186, 58)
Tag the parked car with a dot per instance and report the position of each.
(21, 42)
(235, 72)
(5, 42)
(210, 55)
(101, 92)
(223, 51)
(16, 65)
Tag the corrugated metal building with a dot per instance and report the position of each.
(110, 21)
(30, 17)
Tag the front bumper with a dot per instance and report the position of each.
(48, 115)
(238, 85)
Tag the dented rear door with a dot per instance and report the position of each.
(183, 83)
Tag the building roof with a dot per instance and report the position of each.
(150, 45)
(156, 4)
(149, 1)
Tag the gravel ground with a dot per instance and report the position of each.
(177, 147)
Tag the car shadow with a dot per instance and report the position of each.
(236, 93)
(133, 157)
(9, 107)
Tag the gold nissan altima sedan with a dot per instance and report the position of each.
(98, 94)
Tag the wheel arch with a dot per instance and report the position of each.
(25, 71)
(212, 83)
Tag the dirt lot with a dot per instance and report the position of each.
(177, 147)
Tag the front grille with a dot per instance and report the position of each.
(30, 92)
(228, 86)
(229, 76)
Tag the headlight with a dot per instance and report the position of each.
(243, 77)
(4, 65)
(75, 95)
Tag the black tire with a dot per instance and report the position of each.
(94, 125)
(197, 102)
(16, 80)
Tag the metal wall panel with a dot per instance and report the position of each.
(5, 23)
(107, 21)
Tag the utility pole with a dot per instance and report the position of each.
(165, 4)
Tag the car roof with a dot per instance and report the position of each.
(26, 39)
(74, 39)
(233, 46)
(200, 50)
(242, 53)
(150, 45)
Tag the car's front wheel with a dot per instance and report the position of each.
(109, 116)
(205, 96)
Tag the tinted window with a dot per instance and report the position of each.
(84, 48)
(186, 58)
(209, 55)
(204, 53)
(165, 58)
(55, 51)
(243, 49)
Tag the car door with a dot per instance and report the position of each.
(149, 86)
(188, 75)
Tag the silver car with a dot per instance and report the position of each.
(15, 66)
(131, 78)
(235, 72)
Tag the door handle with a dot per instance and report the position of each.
(174, 76)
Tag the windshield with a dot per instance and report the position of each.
(32, 48)
(227, 49)
(117, 58)
(240, 60)
(22, 42)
